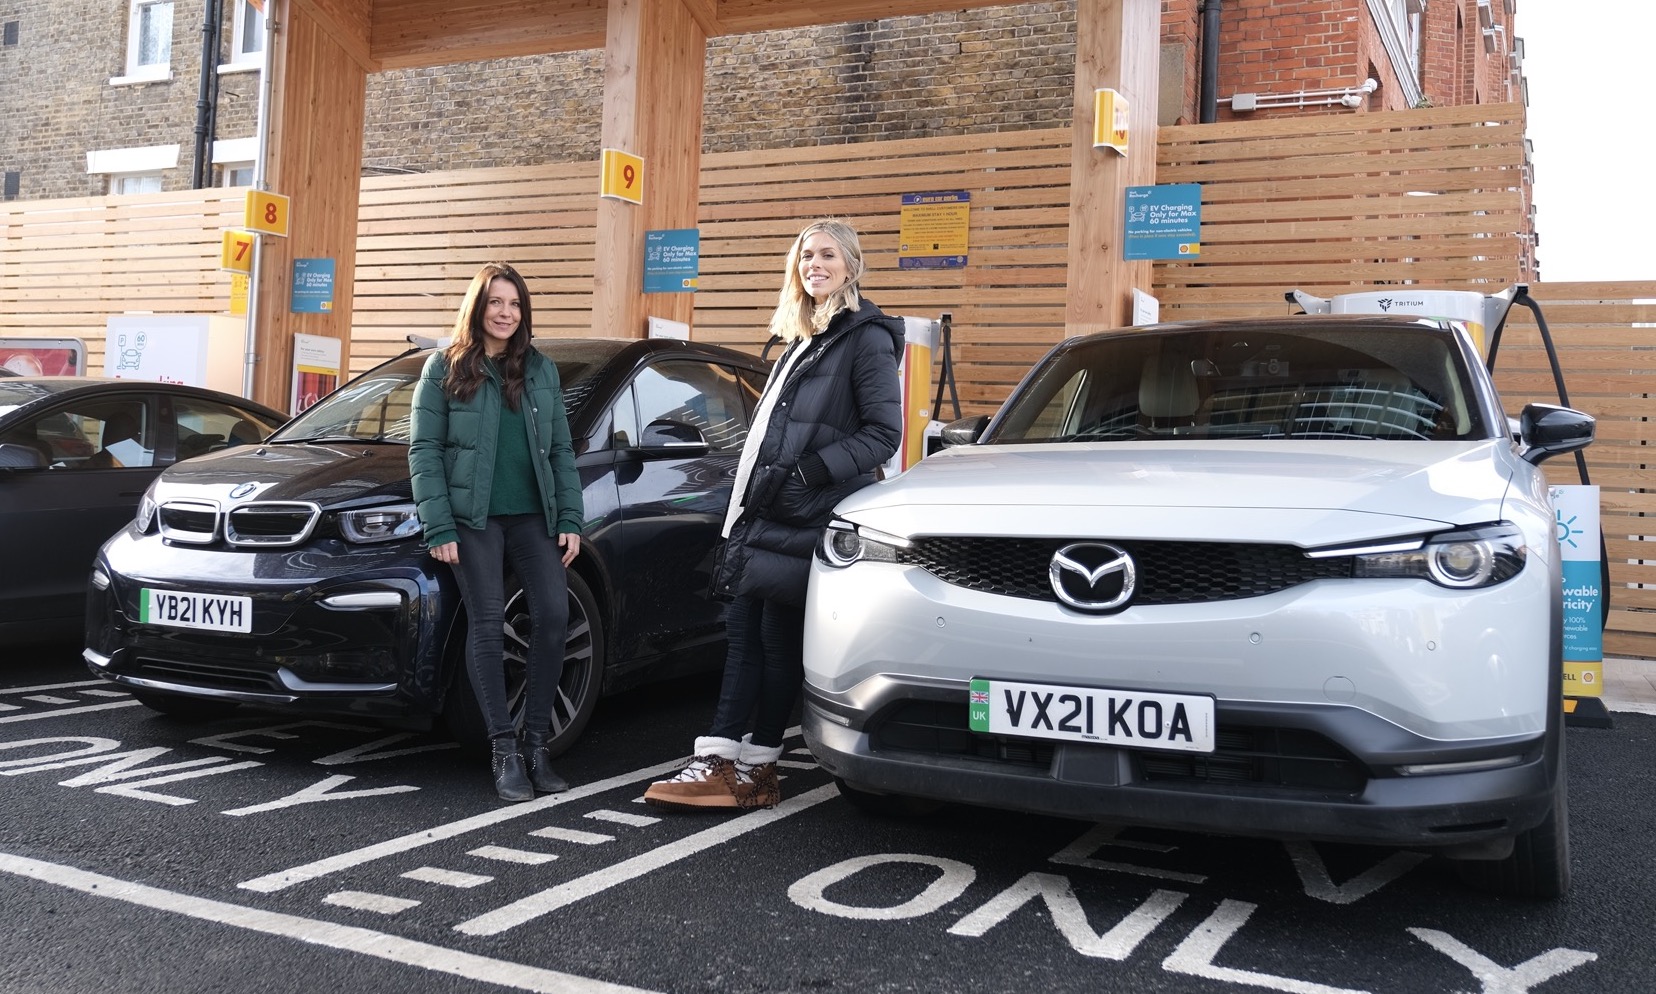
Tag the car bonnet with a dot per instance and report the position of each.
(1305, 493)
(327, 474)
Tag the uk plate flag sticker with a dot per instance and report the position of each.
(978, 705)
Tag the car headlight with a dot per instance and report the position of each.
(146, 510)
(844, 543)
(1470, 557)
(380, 524)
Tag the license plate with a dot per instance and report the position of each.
(184, 609)
(1135, 718)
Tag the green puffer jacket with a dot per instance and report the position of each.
(452, 455)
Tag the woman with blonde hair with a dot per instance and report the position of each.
(828, 418)
(494, 479)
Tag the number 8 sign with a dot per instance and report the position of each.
(622, 176)
(267, 212)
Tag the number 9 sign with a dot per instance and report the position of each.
(622, 176)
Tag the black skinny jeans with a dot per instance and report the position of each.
(538, 563)
(764, 669)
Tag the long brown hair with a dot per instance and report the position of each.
(465, 353)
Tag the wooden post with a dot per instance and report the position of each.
(314, 157)
(1116, 46)
(654, 58)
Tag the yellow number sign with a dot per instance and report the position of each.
(267, 212)
(623, 176)
(236, 252)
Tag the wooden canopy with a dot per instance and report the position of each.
(655, 52)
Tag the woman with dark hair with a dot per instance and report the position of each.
(829, 417)
(494, 479)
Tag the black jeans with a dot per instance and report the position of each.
(764, 668)
(538, 563)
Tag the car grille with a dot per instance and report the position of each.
(1168, 572)
(266, 524)
(197, 674)
(1243, 756)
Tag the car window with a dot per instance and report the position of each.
(709, 396)
(208, 425)
(1398, 383)
(99, 434)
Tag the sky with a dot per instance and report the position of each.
(1589, 68)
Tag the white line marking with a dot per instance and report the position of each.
(572, 835)
(794, 764)
(106, 693)
(49, 699)
(505, 855)
(391, 847)
(67, 711)
(621, 818)
(349, 938)
(801, 751)
(10, 707)
(448, 878)
(553, 898)
(358, 900)
(56, 686)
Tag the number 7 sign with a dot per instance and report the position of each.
(623, 176)
(236, 252)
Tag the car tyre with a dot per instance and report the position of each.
(887, 805)
(1539, 866)
(578, 688)
(184, 708)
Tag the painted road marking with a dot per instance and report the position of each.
(574, 835)
(49, 699)
(621, 818)
(506, 855)
(282, 879)
(381, 904)
(348, 938)
(43, 688)
(106, 693)
(553, 898)
(11, 707)
(60, 712)
(448, 878)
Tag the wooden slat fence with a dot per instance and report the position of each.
(1430, 197)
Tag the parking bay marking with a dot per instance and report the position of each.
(347, 938)
(61, 712)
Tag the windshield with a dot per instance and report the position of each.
(1261, 381)
(377, 406)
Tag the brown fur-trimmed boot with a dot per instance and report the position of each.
(707, 784)
(757, 785)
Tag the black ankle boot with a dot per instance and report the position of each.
(507, 763)
(540, 764)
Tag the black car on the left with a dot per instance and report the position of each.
(76, 454)
(293, 575)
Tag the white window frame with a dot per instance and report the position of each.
(117, 179)
(136, 73)
(249, 22)
(235, 153)
(118, 163)
(1399, 26)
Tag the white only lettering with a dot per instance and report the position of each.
(1497, 979)
(1067, 914)
(316, 793)
(1197, 952)
(137, 790)
(809, 891)
(85, 746)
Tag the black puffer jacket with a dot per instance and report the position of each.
(842, 401)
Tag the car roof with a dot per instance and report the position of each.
(23, 393)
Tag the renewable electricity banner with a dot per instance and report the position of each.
(1577, 518)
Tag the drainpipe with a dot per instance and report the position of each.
(207, 93)
(1209, 102)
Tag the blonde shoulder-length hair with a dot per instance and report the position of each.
(797, 315)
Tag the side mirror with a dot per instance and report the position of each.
(966, 431)
(15, 456)
(1548, 430)
(664, 437)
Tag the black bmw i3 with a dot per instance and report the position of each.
(292, 575)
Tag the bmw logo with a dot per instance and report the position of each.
(243, 490)
(1093, 576)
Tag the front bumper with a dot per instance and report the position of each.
(336, 629)
(1280, 771)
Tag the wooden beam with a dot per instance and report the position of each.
(1115, 47)
(347, 23)
(313, 156)
(654, 61)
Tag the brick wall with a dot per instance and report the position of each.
(56, 101)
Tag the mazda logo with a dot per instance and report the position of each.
(1093, 576)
